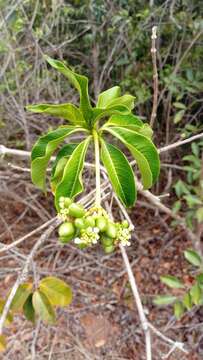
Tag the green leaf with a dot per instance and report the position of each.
(112, 110)
(57, 291)
(178, 310)
(193, 257)
(179, 105)
(29, 310)
(120, 173)
(43, 150)
(146, 130)
(21, 296)
(199, 215)
(80, 82)
(164, 300)
(200, 279)
(66, 111)
(131, 121)
(9, 317)
(180, 188)
(187, 301)
(196, 293)
(144, 152)
(108, 95)
(192, 200)
(126, 100)
(172, 281)
(176, 206)
(178, 116)
(71, 183)
(59, 164)
(43, 307)
(3, 343)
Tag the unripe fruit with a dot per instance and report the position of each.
(89, 221)
(109, 249)
(79, 223)
(101, 223)
(106, 241)
(81, 246)
(76, 210)
(125, 224)
(111, 230)
(65, 239)
(66, 230)
(67, 202)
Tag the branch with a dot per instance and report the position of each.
(146, 325)
(155, 76)
(33, 232)
(140, 309)
(26, 154)
(180, 143)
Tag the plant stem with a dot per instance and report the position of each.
(97, 168)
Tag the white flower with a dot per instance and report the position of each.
(77, 241)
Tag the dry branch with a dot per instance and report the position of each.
(155, 76)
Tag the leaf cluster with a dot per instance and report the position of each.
(189, 295)
(113, 115)
(37, 303)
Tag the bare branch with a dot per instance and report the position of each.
(155, 76)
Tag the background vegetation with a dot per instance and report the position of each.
(109, 41)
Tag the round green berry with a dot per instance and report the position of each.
(65, 239)
(111, 230)
(66, 230)
(89, 221)
(81, 246)
(109, 249)
(67, 202)
(76, 210)
(79, 223)
(106, 241)
(101, 223)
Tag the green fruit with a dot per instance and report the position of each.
(125, 224)
(67, 202)
(65, 239)
(101, 223)
(89, 221)
(109, 249)
(106, 241)
(111, 230)
(81, 246)
(66, 230)
(79, 223)
(76, 210)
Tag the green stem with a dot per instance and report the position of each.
(97, 168)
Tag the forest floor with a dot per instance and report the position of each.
(102, 321)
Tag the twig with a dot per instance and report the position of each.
(21, 153)
(140, 309)
(33, 232)
(176, 344)
(155, 76)
(180, 143)
(146, 325)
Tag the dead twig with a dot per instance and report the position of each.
(155, 76)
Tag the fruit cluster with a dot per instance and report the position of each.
(88, 227)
